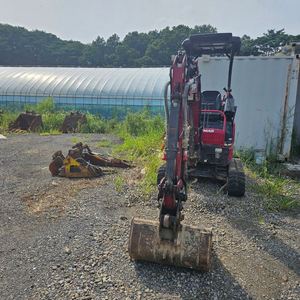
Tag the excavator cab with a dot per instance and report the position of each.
(217, 118)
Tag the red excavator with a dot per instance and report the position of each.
(199, 142)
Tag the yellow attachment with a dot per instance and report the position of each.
(75, 168)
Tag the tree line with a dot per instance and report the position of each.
(21, 47)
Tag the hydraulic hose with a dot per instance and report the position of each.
(185, 121)
(166, 105)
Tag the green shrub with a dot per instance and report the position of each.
(142, 140)
(138, 124)
(276, 191)
(52, 121)
(95, 124)
(46, 106)
(6, 118)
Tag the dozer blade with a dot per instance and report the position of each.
(191, 248)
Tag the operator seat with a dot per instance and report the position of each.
(211, 100)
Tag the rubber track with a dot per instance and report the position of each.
(161, 173)
(236, 180)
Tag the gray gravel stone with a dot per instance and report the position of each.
(249, 261)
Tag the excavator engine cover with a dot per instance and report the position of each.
(190, 249)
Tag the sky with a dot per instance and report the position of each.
(86, 19)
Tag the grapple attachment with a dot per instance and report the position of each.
(190, 249)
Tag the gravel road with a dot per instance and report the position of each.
(67, 238)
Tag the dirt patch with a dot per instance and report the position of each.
(57, 195)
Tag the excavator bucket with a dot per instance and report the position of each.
(190, 249)
(72, 121)
(27, 121)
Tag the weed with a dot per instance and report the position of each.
(276, 191)
(221, 189)
(119, 182)
(7, 118)
(45, 106)
(52, 121)
(95, 124)
(75, 190)
(76, 140)
(104, 143)
(52, 132)
(259, 217)
(142, 139)
(5, 133)
(232, 203)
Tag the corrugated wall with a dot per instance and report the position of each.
(297, 116)
(265, 90)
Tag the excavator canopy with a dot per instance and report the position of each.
(214, 43)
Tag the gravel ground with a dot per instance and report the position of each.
(68, 239)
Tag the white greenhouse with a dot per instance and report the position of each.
(87, 89)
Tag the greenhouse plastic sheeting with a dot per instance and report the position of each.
(84, 88)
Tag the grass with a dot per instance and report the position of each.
(141, 145)
(119, 183)
(275, 191)
(77, 140)
(52, 132)
(104, 143)
(6, 118)
(259, 218)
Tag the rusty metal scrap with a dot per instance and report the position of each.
(14, 130)
(82, 162)
(98, 159)
(57, 162)
(29, 121)
(72, 121)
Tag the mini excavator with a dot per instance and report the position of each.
(199, 142)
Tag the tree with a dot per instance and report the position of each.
(248, 47)
(271, 42)
(18, 46)
(94, 54)
(203, 29)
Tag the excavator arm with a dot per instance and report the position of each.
(168, 240)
